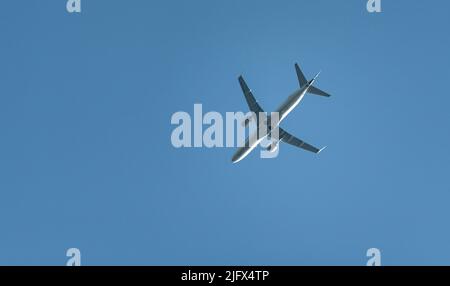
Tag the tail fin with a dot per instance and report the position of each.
(301, 77)
(314, 90)
(302, 81)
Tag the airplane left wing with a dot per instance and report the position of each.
(251, 101)
(294, 141)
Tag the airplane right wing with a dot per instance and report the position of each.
(251, 101)
(294, 141)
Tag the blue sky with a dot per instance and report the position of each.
(86, 159)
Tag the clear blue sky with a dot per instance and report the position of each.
(86, 159)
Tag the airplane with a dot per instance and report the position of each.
(283, 136)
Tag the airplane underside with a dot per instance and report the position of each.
(264, 125)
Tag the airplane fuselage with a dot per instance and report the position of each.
(255, 139)
(291, 102)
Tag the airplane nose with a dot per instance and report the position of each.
(235, 158)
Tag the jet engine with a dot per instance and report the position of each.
(247, 120)
(273, 146)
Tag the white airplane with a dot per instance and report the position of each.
(265, 121)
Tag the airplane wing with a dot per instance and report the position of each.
(251, 101)
(294, 141)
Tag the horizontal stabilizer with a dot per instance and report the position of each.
(316, 91)
(301, 77)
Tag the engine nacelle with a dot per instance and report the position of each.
(273, 147)
(247, 120)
